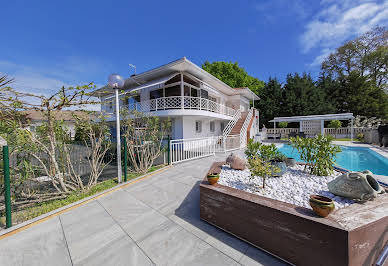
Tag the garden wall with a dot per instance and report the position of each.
(294, 233)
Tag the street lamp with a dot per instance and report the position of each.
(116, 82)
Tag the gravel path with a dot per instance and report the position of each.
(294, 187)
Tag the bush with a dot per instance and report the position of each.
(264, 152)
(360, 137)
(283, 124)
(319, 153)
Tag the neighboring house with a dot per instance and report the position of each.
(199, 104)
(36, 118)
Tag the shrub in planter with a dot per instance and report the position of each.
(319, 153)
(264, 152)
(258, 167)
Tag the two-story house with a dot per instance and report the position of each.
(199, 104)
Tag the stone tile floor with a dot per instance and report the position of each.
(151, 222)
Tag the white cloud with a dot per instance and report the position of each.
(339, 21)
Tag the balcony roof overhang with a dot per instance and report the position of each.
(182, 65)
(343, 116)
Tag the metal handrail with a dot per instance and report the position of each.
(244, 128)
(232, 123)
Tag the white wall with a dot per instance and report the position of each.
(184, 127)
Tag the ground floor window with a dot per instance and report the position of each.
(198, 126)
(222, 126)
(212, 126)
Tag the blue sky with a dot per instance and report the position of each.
(47, 44)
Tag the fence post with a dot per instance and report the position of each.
(168, 149)
(7, 187)
(125, 159)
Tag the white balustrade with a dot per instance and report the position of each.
(175, 102)
(244, 128)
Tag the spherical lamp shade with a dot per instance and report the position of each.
(115, 81)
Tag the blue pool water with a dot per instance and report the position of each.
(351, 158)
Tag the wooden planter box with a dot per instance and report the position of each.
(354, 235)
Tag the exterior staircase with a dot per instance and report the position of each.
(237, 127)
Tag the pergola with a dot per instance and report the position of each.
(315, 120)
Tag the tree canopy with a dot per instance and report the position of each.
(233, 75)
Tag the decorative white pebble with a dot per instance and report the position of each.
(295, 186)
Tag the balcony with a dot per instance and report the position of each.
(179, 103)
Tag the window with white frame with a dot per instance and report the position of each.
(198, 126)
(212, 126)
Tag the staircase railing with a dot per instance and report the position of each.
(230, 125)
(244, 129)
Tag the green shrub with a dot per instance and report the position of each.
(360, 137)
(319, 153)
(258, 167)
(283, 124)
(264, 152)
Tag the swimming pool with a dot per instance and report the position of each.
(351, 158)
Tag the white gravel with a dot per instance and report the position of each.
(294, 187)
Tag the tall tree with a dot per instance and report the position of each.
(233, 75)
(366, 55)
(303, 97)
(271, 101)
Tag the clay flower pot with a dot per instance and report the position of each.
(321, 205)
(213, 178)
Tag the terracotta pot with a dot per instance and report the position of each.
(213, 178)
(321, 205)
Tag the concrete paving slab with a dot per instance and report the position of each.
(42, 244)
(172, 245)
(121, 251)
(89, 230)
(137, 219)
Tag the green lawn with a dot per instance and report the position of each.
(45, 207)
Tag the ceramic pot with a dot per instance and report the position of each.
(321, 205)
(281, 165)
(213, 178)
(290, 162)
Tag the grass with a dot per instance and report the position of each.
(45, 207)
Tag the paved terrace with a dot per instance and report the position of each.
(153, 221)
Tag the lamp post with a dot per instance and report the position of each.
(116, 82)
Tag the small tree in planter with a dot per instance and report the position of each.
(258, 167)
(335, 124)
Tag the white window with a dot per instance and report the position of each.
(198, 126)
(212, 126)
(222, 126)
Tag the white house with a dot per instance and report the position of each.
(199, 105)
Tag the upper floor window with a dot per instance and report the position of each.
(198, 126)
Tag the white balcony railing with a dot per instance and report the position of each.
(179, 102)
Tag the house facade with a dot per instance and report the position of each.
(198, 104)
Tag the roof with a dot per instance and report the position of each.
(35, 115)
(343, 116)
(177, 66)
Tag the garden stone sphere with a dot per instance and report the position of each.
(235, 162)
(356, 185)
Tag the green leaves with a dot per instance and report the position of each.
(318, 153)
(263, 152)
(335, 124)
